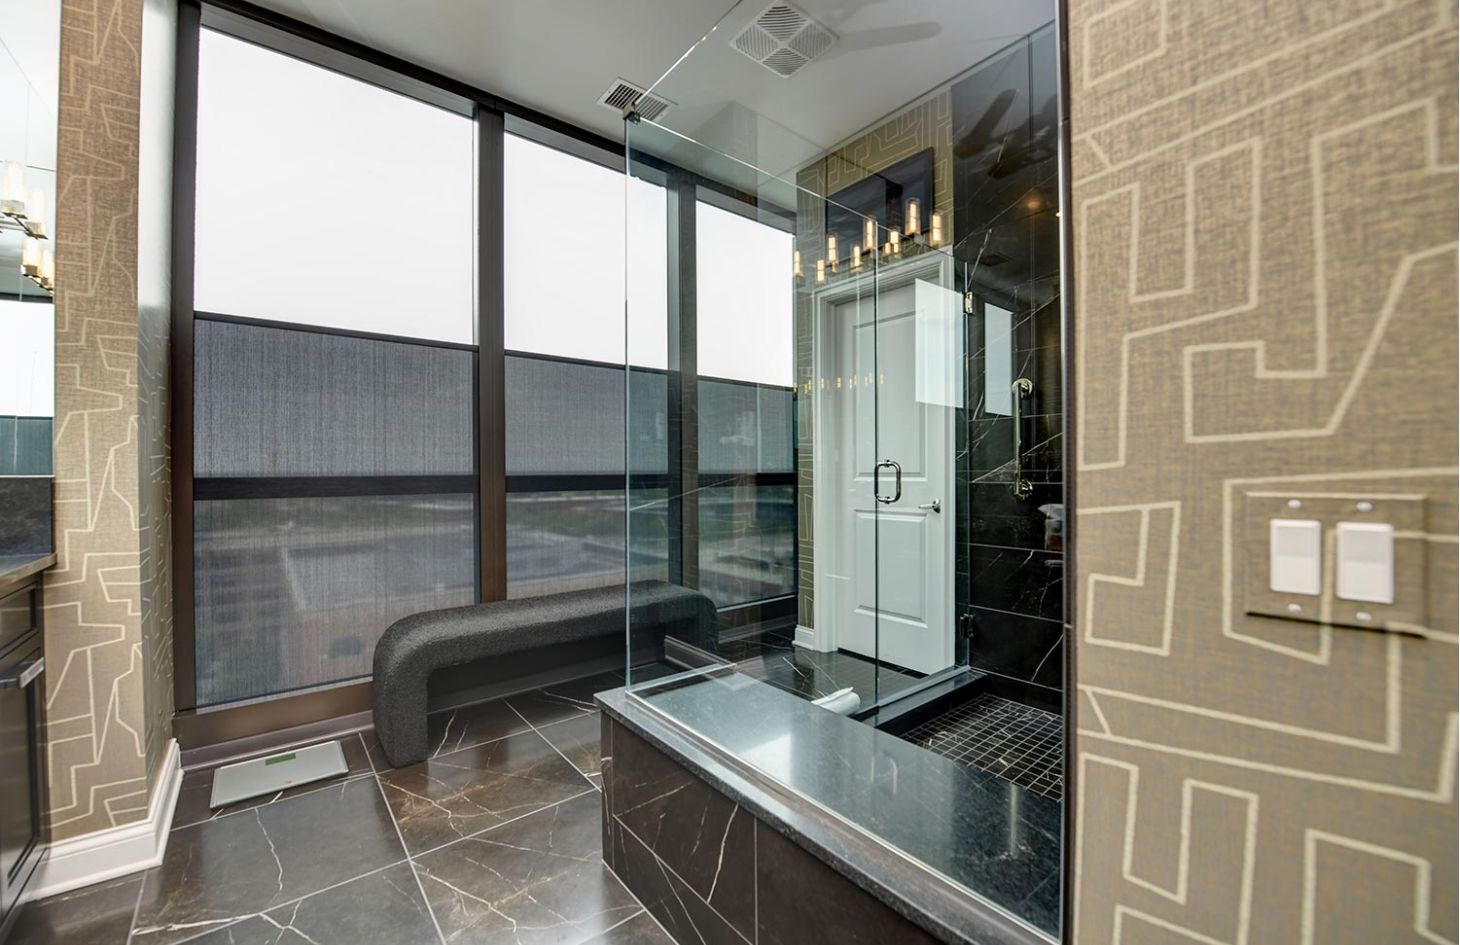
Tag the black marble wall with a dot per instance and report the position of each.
(1010, 551)
(25, 515)
(713, 874)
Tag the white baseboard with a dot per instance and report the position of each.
(805, 636)
(107, 854)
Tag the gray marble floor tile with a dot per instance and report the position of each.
(463, 793)
(383, 908)
(639, 930)
(577, 739)
(534, 881)
(94, 915)
(235, 866)
(197, 787)
(563, 700)
(456, 729)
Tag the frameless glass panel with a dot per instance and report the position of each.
(294, 593)
(567, 417)
(580, 207)
(747, 543)
(918, 205)
(743, 299)
(284, 402)
(744, 428)
(324, 200)
(572, 540)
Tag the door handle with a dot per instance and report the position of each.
(27, 675)
(1021, 388)
(877, 482)
(934, 506)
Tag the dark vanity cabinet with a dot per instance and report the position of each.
(22, 765)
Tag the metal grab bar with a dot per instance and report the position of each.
(1023, 488)
(877, 482)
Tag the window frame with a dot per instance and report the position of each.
(494, 117)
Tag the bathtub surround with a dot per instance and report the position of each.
(722, 852)
(1264, 207)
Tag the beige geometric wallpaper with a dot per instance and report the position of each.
(1265, 262)
(108, 601)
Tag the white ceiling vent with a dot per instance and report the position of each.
(623, 94)
(783, 39)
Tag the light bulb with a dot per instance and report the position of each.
(35, 211)
(12, 188)
(935, 229)
(869, 235)
(30, 256)
(913, 217)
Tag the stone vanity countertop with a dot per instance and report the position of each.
(16, 570)
(993, 847)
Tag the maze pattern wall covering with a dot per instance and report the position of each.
(1264, 208)
(108, 601)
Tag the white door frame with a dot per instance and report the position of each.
(936, 267)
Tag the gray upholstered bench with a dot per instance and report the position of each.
(415, 646)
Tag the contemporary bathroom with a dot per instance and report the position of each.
(728, 473)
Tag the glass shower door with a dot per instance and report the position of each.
(919, 390)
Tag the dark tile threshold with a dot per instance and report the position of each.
(923, 896)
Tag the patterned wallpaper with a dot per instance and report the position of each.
(108, 604)
(1265, 211)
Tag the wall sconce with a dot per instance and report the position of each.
(869, 236)
(856, 258)
(894, 239)
(821, 272)
(913, 218)
(796, 265)
(935, 229)
(831, 253)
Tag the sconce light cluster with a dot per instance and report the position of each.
(23, 210)
(867, 249)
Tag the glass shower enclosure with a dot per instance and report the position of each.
(844, 345)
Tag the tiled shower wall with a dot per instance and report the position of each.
(1010, 555)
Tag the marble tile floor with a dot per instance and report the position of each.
(494, 839)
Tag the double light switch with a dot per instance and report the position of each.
(1347, 559)
(1363, 559)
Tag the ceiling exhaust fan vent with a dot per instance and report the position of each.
(624, 95)
(783, 39)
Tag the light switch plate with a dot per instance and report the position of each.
(1405, 513)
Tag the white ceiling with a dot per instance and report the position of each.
(559, 56)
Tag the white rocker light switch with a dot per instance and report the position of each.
(1295, 556)
(1366, 562)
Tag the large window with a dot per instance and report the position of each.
(324, 200)
(565, 228)
(334, 470)
(564, 330)
(746, 358)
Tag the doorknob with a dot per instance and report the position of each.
(935, 506)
